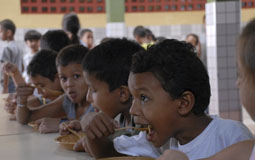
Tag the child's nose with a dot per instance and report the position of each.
(88, 97)
(134, 109)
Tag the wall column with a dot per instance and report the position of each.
(115, 10)
(222, 30)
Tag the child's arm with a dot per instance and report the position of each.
(11, 69)
(97, 128)
(25, 115)
(173, 155)
(48, 125)
(5, 83)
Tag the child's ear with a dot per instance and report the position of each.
(187, 102)
(124, 94)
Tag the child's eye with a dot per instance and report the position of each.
(76, 76)
(63, 79)
(144, 98)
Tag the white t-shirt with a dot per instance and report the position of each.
(26, 60)
(219, 134)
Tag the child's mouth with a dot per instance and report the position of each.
(149, 131)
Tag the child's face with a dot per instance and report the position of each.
(246, 90)
(3, 34)
(88, 39)
(72, 82)
(153, 106)
(44, 82)
(33, 45)
(191, 40)
(101, 98)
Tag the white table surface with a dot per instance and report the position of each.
(20, 142)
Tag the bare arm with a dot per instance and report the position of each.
(5, 83)
(53, 110)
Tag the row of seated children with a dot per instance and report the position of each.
(243, 150)
(161, 83)
(167, 94)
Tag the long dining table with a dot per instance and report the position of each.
(21, 142)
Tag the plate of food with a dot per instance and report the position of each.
(68, 141)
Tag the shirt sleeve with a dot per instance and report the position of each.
(7, 54)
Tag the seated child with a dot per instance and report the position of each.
(32, 39)
(71, 105)
(171, 91)
(87, 38)
(194, 40)
(106, 70)
(55, 40)
(11, 53)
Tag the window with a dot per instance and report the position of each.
(25, 9)
(174, 7)
(90, 9)
(150, 0)
(134, 8)
(81, 1)
(167, 7)
(158, 8)
(183, 7)
(71, 1)
(52, 1)
(99, 1)
(243, 4)
(99, 8)
(63, 9)
(24, 1)
(141, 8)
(133, 0)
(89, 1)
(81, 9)
(158, 0)
(190, 7)
(44, 9)
(34, 9)
(150, 8)
(141, 0)
(53, 9)
(71, 9)
(199, 6)
(63, 1)
(250, 4)
(44, 1)
(33, 1)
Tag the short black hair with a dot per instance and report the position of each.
(8, 24)
(72, 54)
(32, 35)
(85, 31)
(71, 24)
(110, 61)
(150, 34)
(43, 64)
(176, 66)
(139, 31)
(55, 40)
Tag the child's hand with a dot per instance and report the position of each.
(173, 155)
(23, 91)
(97, 125)
(9, 68)
(48, 125)
(74, 124)
(10, 104)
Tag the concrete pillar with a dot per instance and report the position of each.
(115, 10)
(222, 30)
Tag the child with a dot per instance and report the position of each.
(42, 73)
(87, 38)
(106, 70)
(32, 39)
(194, 40)
(11, 53)
(71, 105)
(170, 97)
(55, 40)
(71, 25)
